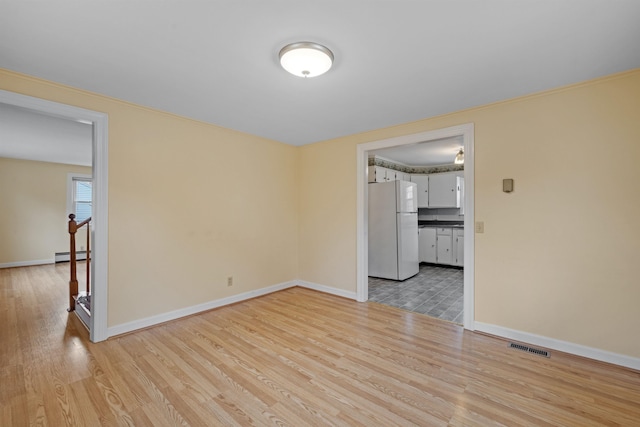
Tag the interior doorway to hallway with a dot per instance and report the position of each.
(99, 122)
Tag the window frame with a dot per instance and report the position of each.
(71, 178)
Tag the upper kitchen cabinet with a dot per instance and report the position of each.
(445, 190)
(423, 189)
(404, 176)
(381, 174)
(378, 174)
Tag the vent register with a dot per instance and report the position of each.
(528, 349)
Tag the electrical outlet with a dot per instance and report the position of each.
(479, 227)
(230, 281)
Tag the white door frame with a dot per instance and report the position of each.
(466, 131)
(98, 326)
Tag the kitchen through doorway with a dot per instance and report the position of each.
(436, 291)
(449, 287)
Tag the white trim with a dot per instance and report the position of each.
(327, 289)
(27, 263)
(564, 346)
(467, 132)
(100, 220)
(66, 256)
(100, 195)
(362, 230)
(194, 309)
(469, 234)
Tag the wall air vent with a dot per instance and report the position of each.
(537, 351)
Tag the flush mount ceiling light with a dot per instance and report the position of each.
(306, 59)
(459, 160)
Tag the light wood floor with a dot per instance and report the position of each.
(294, 358)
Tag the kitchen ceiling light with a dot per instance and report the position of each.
(459, 160)
(306, 59)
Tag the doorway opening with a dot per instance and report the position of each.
(463, 132)
(99, 122)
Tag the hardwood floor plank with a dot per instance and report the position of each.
(111, 399)
(293, 358)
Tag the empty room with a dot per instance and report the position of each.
(189, 193)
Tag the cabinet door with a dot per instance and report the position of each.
(423, 189)
(458, 244)
(427, 245)
(443, 190)
(391, 175)
(443, 247)
(380, 174)
(371, 174)
(461, 194)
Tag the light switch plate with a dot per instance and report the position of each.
(479, 227)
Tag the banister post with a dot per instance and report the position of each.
(73, 282)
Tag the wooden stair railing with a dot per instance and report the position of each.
(73, 282)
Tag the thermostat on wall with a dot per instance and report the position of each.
(507, 185)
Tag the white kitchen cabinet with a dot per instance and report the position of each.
(427, 244)
(444, 190)
(461, 194)
(423, 189)
(382, 174)
(401, 176)
(458, 246)
(377, 174)
(444, 246)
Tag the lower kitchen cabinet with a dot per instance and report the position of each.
(427, 245)
(444, 246)
(441, 245)
(458, 247)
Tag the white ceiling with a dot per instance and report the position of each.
(25, 134)
(432, 153)
(395, 61)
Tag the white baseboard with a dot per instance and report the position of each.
(564, 346)
(27, 263)
(65, 256)
(187, 311)
(327, 289)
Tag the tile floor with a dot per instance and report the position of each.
(436, 291)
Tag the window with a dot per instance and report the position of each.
(79, 196)
(82, 199)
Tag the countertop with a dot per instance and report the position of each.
(442, 224)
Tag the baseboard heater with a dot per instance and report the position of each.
(66, 256)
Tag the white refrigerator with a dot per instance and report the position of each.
(393, 230)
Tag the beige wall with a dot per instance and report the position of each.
(33, 210)
(189, 205)
(559, 255)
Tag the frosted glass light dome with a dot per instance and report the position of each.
(306, 59)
